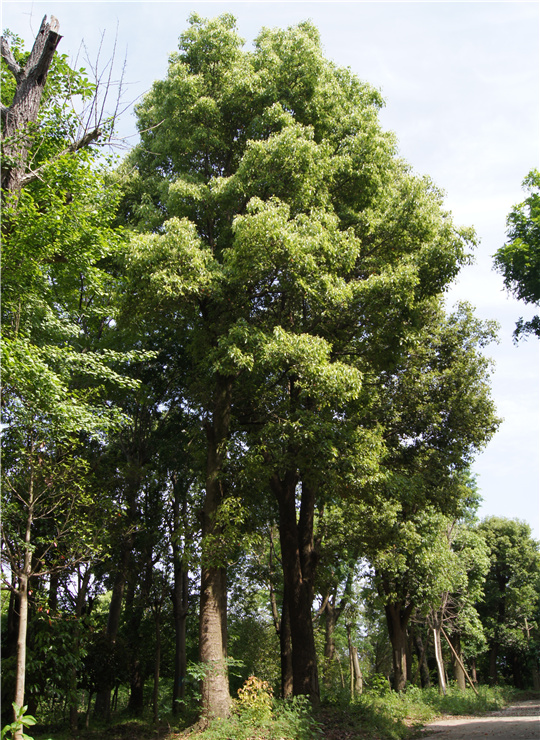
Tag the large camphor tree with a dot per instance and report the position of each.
(291, 250)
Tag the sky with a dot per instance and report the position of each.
(461, 85)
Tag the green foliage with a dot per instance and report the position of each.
(21, 721)
(254, 703)
(256, 716)
(519, 259)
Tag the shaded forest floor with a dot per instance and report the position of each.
(388, 717)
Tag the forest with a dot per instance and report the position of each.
(238, 417)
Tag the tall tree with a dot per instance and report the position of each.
(291, 249)
(508, 610)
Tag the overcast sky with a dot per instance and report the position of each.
(460, 80)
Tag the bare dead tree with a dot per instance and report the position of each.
(18, 119)
(30, 82)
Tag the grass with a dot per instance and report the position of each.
(383, 715)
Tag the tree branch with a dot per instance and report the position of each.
(85, 140)
(7, 56)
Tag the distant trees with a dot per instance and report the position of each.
(509, 609)
(519, 259)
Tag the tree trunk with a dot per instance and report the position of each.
(286, 650)
(25, 105)
(423, 668)
(474, 677)
(493, 655)
(157, 659)
(74, 699)
(330, 619)
(459, 673)
(135, 608)
(24, 578)
(357, 683)
(102, 707)
(298, 561)
(439, 659)
(397, 618)
(216, 700)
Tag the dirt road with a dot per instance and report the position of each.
(520, 721)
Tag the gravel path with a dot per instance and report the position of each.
(520, 721)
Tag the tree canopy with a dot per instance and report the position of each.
(235, 402)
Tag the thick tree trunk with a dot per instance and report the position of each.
(397, 618)
(298, 561)
(216, 700)
(25, 105)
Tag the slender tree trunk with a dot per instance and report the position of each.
(330, 619)
(474, 677)
(102, 707)
(73, 698)
(298, 561)
(439, 658)
(157, 659)
(216, 700)
(54, 583)
(24, 578)
(493, 655)
(423, 668)
(357, 684)
(397, 618)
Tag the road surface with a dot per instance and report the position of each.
(520, 721)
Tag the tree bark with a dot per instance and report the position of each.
(25, 105)
(286, 650)
(439, 658)
(397, 618)
(423, 668)
(216, 700)
(357, 683)
(298, 562)
(457, 662)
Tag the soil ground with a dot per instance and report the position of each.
(520, 721)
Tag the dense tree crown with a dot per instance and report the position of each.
(236, 402)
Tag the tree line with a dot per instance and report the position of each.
(239, 419)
